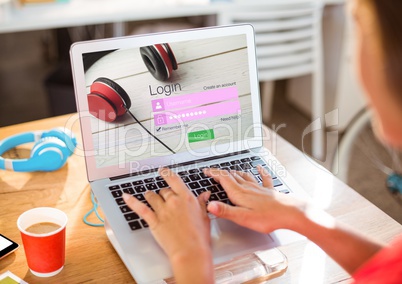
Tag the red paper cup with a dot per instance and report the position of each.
(45, 253)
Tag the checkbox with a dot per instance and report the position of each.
(158, 129)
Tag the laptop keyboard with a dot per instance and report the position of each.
(195, 180)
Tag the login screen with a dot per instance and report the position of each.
(189, 96)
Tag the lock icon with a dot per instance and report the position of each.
(160, 119)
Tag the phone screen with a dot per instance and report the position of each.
(7, 246)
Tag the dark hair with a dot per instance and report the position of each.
(389, 17)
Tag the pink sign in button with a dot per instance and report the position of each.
(194, 99)
(198, 113)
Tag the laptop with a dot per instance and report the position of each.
(185, 100)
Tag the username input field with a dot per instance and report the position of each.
(194, 99)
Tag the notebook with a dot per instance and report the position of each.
(184, 100)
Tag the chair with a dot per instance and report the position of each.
(340, 165)
(289, 44)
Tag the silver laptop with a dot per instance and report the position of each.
(185, 100)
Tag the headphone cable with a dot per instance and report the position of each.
(156, 138)
(393, 173)
(95, 210)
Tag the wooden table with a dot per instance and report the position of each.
(90, 258)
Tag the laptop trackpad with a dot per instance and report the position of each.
(230, 240)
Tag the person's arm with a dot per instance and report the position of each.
(179, 223)
(349, 248)
(266, 210)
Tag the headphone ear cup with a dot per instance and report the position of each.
(159, 60)
(49, 154)
(118, 89)
(107, 99)
(64, 135)
(171, 55)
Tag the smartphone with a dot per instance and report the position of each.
(7, 246)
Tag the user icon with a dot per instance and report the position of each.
(158, 105)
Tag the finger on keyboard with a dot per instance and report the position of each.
(174, 181)
(140, 208)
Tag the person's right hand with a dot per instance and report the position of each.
(263, 209)
(259, 208)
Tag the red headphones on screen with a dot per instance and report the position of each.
(159, 59)
(107, 100)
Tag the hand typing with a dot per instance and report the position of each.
(259, 208)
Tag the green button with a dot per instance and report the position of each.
(202, 135)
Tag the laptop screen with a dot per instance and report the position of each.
(179, 98)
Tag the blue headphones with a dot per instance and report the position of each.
(50, 151)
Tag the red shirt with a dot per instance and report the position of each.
(383, 267)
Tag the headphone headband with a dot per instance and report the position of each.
(50, 152)
(18, 139)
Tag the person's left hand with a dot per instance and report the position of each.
(178, 221)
